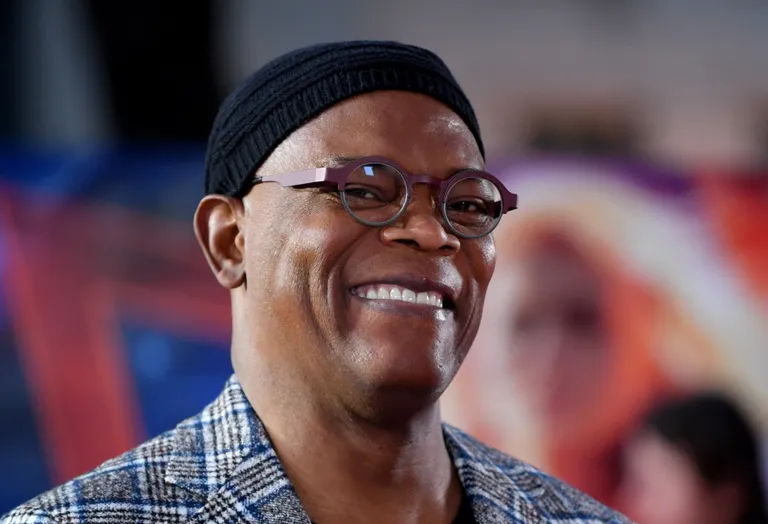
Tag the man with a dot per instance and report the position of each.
(348, 214)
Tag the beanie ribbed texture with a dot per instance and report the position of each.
(294, 88)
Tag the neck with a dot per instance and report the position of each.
(346, 468)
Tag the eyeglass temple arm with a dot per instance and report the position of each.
(298, 178)
(511, 199)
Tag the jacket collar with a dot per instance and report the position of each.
(225, 455)
(497, 495)
(208, 447)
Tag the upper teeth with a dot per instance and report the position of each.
(389, 292)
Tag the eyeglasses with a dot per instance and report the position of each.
(376, 191)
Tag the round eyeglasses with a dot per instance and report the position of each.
(376, 192)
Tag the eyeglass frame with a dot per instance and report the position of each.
(339, 176)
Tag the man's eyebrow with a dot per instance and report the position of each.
(337, 160)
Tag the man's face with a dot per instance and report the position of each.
(306, 260)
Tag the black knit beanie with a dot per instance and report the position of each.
(294, 88)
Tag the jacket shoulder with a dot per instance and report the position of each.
(128, 488)
(553, 499)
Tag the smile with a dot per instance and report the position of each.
(399, 294)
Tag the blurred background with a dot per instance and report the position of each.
(636, 270)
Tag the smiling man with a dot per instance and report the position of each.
(349, 215)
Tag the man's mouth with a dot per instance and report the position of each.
(399, 293)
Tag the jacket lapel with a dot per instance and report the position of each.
(224, 455)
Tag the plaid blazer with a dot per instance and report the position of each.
(219, 466)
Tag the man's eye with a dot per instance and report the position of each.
(469, 206)
(363, 193)
(465, 206)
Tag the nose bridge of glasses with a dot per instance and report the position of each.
(432, 183)
(424, 188)
(426, 185)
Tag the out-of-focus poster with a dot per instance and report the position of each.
(616, 286)
(112, 328)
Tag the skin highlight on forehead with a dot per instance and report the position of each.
(450, 122)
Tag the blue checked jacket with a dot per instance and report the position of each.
(219, 466)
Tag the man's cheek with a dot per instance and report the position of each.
(488, 255)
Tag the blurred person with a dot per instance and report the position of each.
(564, 356)
(348, 213)
(559, 338)
(565, 359)
(694, 461)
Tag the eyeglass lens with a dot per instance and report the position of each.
(376, 193)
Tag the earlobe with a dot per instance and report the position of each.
(217, 228)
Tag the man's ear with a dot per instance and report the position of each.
(217, 228)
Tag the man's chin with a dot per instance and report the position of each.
(403, 369)
(397, 407)
(395, 396)
(410, 366)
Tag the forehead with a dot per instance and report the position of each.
(418, 132)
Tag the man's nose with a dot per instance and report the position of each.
(420, 228)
